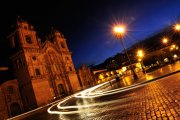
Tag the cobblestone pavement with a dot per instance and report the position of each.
(158, 100)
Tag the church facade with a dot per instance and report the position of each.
(44, 70)
(86, 77)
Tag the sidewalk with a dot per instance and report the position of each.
(129, 80)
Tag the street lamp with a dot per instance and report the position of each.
(140, 55)
(177, 27)
(165, 40)
(119, 32)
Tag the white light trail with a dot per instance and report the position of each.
(90, 93)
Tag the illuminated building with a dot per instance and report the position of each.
(44, 69)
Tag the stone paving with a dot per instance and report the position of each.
(158, 100)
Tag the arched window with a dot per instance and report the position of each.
(62, 45)
(67, 58)
(70, 68)
(28, 39)
(61, 89)
(34, 58)
(37, 71)
(15, 109)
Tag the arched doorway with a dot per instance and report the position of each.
(61, 90)
(15, 109)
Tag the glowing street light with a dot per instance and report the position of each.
(173, 46)
(119, 31)
(140, 54)
(139, 59)
(165, 40)
(175, 56)
(177, 27)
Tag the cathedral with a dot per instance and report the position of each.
(43, 69)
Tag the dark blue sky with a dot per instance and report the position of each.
(87, 24)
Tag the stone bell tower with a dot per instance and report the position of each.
(28, 66)
(44, 70)
(66, 59)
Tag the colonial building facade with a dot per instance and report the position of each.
(44, 70)
(85, 76)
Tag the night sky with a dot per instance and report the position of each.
(87, 24)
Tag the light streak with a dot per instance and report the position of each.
(88, 93)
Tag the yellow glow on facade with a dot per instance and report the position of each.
(149, 77)
(124, 69)
(138, 65)
(107, 74)
(101, 76)
(119, 71)
(128, 81)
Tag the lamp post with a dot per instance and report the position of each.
(140, 55)
(119, 32)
